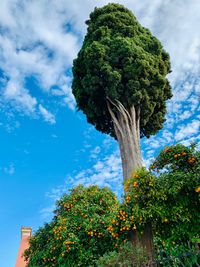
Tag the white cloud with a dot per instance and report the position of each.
(188, 142)
(187, 131)
(154, 143)
(95, 152)
(48, 116)
(148, 161)
(10, 169)
(47, 213)
(106, 171)
(35, 42)
(167, 135)
(54, 136)
(194, 102)
(185, 115)
(19, 96)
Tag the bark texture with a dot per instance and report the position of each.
(127, 129)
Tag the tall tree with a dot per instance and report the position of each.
(120, 80)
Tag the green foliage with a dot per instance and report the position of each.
(90, 222)
(169, 202)
(177, 158)
(178, 202)
(172, 254)
(167, 255)
(137, 208)
(78, 234)
(121, 60)
(127, 256)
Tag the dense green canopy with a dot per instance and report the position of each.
(123, 61)
(78, 233)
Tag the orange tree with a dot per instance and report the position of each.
(177, 158)
(138, 206)
(79, 233)
(167, 197)
(178, 186)
(90, 221)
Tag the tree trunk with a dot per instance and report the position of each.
(127, 129)
(145, 241)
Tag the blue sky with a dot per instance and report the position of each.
(46, 145)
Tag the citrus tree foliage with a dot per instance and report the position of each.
(122, 61)
(179, 187)
(138, 206)
(78, 233)
(90, 221)
(169, 201)
(177, 158)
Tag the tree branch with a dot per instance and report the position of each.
(133, 115)
(115, 121)
(124, 109)
(138, 121)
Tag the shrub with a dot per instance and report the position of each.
(172, 254)
(128, 256)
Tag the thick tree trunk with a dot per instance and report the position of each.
(127, 129)
(146, 241)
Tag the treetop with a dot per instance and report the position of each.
(123, 61)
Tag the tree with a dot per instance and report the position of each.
(79, 232)
(176, 209)
(120, 80)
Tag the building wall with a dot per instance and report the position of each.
(26, 233)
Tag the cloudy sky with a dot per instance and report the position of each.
(46, 145)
